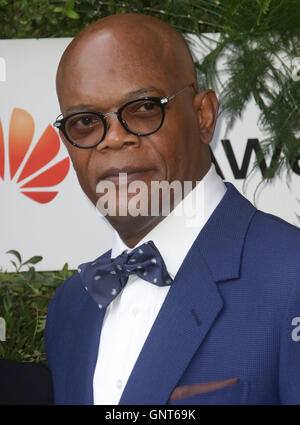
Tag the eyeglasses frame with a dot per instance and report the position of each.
(161, 101)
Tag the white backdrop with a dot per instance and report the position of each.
(68, 228)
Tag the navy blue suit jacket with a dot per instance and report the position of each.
(228, 314)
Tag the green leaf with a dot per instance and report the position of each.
(18, 288)
(13, 262)
(50, 282)
(72, 14)
(70, 4)
(7, 303)
(65, 267)
(31, 273)
(36, 285)
(41, 324)
(58, 9)
(16, 254)
(33, 260)
(18, 281)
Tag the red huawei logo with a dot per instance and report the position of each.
(21, 131)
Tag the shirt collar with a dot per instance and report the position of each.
(178, 229)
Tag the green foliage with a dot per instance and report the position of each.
(33, 260)
(38, 19)
(259, 41)
(48, 18)
(24, 300)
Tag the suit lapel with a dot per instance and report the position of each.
(193, 302)
(179, 329)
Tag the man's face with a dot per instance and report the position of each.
(103, 76)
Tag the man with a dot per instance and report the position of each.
(175, 313)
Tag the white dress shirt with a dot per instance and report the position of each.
(130, 316)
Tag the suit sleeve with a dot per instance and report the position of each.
(289, 369)
(48, 329)
(52, 317)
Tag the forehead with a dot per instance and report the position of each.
(108, 66)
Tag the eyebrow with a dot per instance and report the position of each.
(143, 90)
(79, 107)
(128, 96)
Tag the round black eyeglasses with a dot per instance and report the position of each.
(140, 117)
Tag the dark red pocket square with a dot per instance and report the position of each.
(204, 387)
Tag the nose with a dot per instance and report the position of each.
(116, 134)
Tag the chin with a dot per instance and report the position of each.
(133, 227)
(129, 206)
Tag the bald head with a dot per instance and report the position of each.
(142, 41)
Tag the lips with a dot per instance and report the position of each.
(130, 174)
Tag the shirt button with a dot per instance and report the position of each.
(119, 383)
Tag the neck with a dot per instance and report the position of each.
(141, 228)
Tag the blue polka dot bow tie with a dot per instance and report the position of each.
(106, 277)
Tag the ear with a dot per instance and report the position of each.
(207, 106)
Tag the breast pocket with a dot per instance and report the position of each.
(233, 394)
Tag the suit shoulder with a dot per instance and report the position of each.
(276, 243)
(64, 306)
(275, 227)
(71, 289)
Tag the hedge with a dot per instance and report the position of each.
(25, 296)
